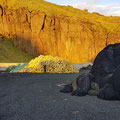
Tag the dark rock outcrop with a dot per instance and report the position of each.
(104, 77)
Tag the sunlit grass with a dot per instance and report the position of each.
(73, 14)
(10, 54)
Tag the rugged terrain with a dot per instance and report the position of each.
(40, 27)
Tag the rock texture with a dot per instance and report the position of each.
(103, 79)
(39, 33)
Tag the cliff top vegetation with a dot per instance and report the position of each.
(68, 12)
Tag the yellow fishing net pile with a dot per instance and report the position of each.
(49, 64)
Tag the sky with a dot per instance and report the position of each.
(105, 7)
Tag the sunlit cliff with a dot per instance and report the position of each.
(39, 27)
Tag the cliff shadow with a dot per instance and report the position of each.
(10, 53)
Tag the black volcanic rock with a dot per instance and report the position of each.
(105, 62)
(105, 73)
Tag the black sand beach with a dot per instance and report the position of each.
(37, 97)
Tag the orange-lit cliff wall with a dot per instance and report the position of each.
(38, 33)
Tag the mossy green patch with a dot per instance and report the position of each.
(10, 54)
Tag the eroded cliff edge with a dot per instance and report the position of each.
(77, 40)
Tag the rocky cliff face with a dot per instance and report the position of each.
(38, 33)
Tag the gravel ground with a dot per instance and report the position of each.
(37, 97)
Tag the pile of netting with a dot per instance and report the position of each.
(49, 64)
(17, 67)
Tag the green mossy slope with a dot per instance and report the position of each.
(10, 54)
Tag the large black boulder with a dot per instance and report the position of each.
(104, 74)
(112, 91)
(107, 60)
(80, 86)
(106, 71)
(116, 79)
